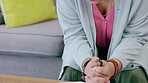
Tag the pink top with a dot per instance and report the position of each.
(104, 27)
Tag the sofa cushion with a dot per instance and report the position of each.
(31, 66)
(38, 39)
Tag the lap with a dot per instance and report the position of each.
(132, 76)
(129, 76)
(71, 74)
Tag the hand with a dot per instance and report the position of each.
(96, 73)
(107, 69)
(101, 74)
(94, 76)
(89, 67)
(96, 80)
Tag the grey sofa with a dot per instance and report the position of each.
(32, 51)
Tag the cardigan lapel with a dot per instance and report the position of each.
(92, 25)
(121, 10)
(91, 19)
(86, 17)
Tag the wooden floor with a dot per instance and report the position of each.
(21, 79)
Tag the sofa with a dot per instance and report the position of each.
(32, 51)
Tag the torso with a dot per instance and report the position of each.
(104, 26)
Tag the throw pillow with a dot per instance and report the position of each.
(25, 12)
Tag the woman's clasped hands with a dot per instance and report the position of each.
(97, 72)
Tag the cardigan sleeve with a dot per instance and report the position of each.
(135, 35)
(75, 40)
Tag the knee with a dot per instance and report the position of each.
(132, 76)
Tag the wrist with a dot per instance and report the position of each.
(85, 62)
(116, 68)
(119, 64)
(112, 69)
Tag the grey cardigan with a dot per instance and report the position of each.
(129, 42)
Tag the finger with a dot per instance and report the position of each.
(91, 73)
(97, 71)
(94, 62)
(100, 80)
(96, 74)
(95, 59)
(88, 80)
(97, 62)
(102, 71)
(103, 62)
(108, 81)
